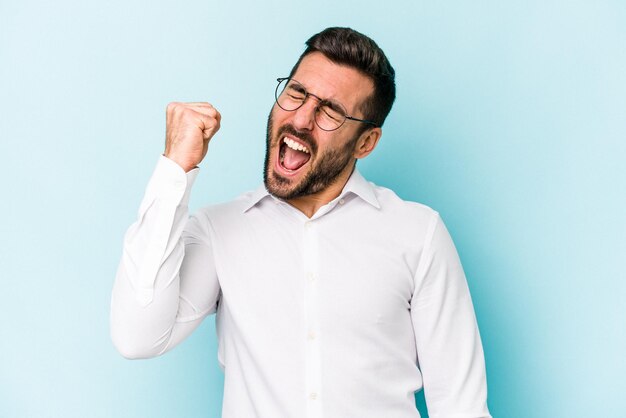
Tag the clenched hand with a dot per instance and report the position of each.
(189, 128)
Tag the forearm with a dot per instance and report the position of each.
(146, 294)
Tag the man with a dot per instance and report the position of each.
(334, 298)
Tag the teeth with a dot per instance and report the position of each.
(295, 145)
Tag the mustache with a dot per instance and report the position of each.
(305, 137)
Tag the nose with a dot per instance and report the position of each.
(304, 116)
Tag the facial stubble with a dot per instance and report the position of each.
(323, 172)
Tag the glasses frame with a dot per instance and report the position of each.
(317, 108)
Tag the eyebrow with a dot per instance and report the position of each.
(297, 87)
(333, 105)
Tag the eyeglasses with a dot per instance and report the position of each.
(329, 115)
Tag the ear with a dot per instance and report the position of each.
(367, 142)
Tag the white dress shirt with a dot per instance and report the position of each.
(344, 314)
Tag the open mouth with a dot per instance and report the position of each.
(293, 155)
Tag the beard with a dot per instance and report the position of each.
(322, 173)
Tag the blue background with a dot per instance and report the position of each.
(510, 121)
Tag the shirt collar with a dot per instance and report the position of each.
(356, 184)
(359, 186)
(256, 196)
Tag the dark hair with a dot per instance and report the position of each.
(346, 46)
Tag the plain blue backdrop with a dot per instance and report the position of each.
(510, 121)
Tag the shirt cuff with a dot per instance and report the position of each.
(170, 182)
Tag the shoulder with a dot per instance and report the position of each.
(385, 204)
(401, 221)
(393, 205)
(230, 210)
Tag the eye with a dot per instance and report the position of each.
(295, 96)
(329, 111)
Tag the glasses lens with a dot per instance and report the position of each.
(290, 94)
(329, 117)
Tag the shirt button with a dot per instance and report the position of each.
(312, 335)
(312, 396)
(308, 225)
(179, 185)
(311, 276)
(341, 201)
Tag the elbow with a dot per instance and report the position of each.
(132, 348)
(132, 353)
(131, 333)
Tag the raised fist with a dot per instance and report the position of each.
(189, 128)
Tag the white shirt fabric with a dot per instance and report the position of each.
(346, 314)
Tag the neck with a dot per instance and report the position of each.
(311, 203)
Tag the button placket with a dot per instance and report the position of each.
(311, 331)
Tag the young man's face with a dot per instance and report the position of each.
(290, 173)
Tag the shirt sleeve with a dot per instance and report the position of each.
(166, 281)
(449, 349)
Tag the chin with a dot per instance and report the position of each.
(280, 186)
